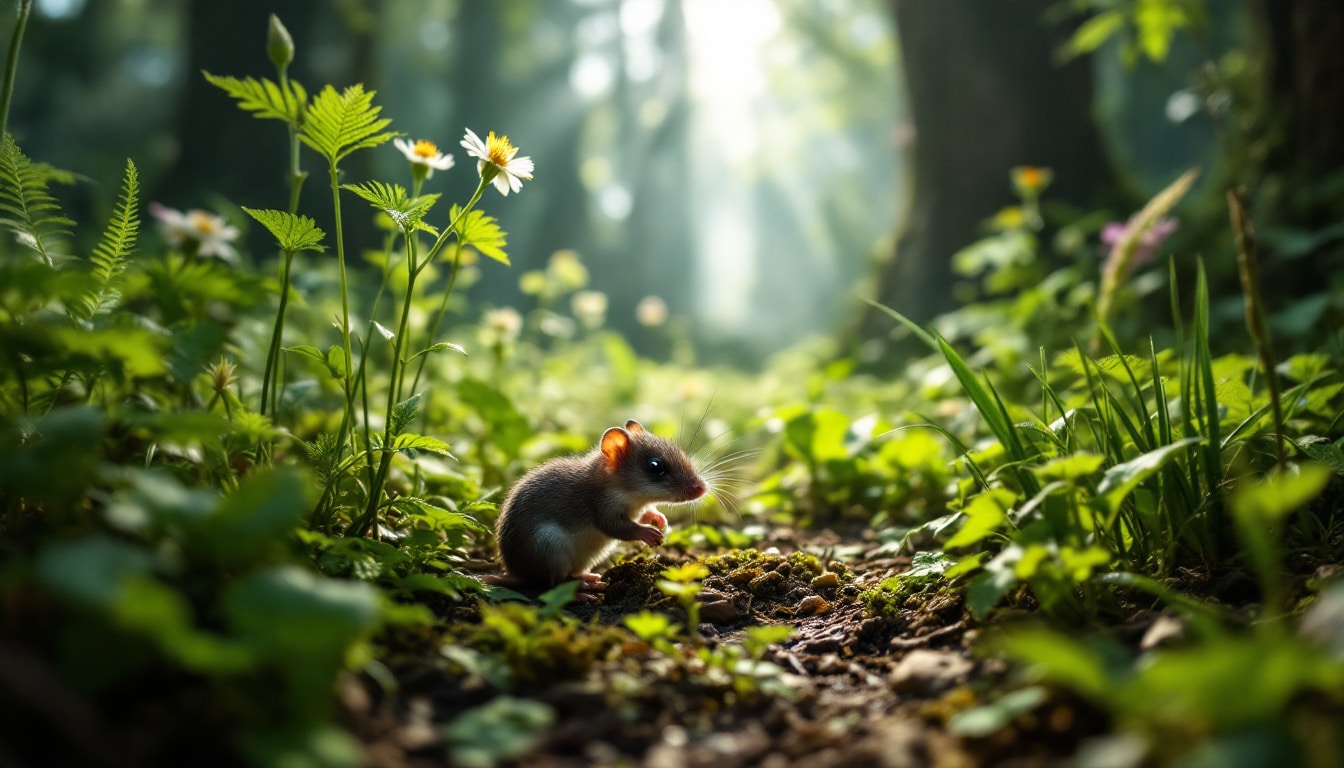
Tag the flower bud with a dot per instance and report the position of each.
(279, 45)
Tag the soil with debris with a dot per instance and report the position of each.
(846, 689)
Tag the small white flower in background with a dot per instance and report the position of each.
(424, 156)
(505, 323)
(651, 311)
(496, 162)
(590, 307)
(207, 233)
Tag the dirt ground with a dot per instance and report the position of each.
(846, 689)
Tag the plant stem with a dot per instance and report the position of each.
(393, 386)
(1248, 267)
(271, 394)
(12, 63)
(347, 419)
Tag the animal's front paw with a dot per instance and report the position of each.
(651, 536)
(655, 518)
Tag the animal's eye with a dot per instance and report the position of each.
(657, 467)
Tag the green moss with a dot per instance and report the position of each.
(891, 595)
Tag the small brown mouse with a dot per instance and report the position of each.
(564, 516)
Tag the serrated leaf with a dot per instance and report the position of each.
(29, 211)
(405, 412)
(264, 98)
(292, 232)
(407, 213)
(414, 442)
(481, 232)
(113, 250)
(337, 124)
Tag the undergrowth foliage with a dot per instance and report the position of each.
(249, 489)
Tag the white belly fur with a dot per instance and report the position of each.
(569, 552)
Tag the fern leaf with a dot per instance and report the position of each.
(481, 232)
(292, 232)
(29, 210)
(114, 249)
(408, 213)
(337, 124)
(265, 99)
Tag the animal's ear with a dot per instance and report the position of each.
(615, 447)
(633, 427)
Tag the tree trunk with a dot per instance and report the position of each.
(1301, 55)
(985, 94)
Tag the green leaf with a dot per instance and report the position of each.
(113, 250)
(405, 412)
(308, 351)
(27, 208)
(265, 99)
(988, 719)
(985, 514)
(986, 590)
(1269, 501)
(437, 347)
(508, 427)
(337, 124)
(292, 232)
(481, 232)
(1095, 31)
(406, 212)
(1058, 658)
(335, 361)
(1157, 22)
(92, 570)
(759, 638)
(649, 626)
(1120, 480)
(497, 732)
(1072, 467)
(264, 508)
(412, 442)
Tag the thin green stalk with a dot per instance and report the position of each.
(398, 343)
(270, 395)
(12, 63)
(439, 315)
(349, 415)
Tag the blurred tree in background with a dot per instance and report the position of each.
(745, 161)
(621, 103)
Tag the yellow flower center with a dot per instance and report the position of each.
(1031, 177)
(203, 222)
(499, 149)
(425, 149)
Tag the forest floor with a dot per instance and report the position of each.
(847, 689)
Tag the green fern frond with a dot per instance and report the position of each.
(265, 99)
(408, 213)
(29, 210)
(481, 232)
(114, 249)
(337, 124)
(292, 232)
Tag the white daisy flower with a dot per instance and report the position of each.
(496, 161)
(205, 233)
(424, 156)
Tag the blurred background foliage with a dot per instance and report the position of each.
(747, 162)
